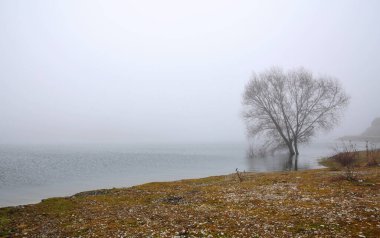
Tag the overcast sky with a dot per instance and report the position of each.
(171, 71)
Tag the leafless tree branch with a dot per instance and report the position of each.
(287, 108)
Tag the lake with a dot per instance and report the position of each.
(29, 173)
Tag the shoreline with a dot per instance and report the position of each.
(295, 203)
(145, 183)
(164, 181)
(25, 182)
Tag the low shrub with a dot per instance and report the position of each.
(347, 157)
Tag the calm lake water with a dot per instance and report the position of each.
(31, 173)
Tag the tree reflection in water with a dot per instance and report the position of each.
(275, 162)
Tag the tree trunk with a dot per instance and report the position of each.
(296, 146)
(290, 147)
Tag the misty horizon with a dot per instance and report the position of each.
(169, 71)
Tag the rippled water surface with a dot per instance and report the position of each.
(33, 172)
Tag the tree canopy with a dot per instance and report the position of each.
(288, 108)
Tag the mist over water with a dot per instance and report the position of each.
(171, 71)
(29, 173)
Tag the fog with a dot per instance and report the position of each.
(172, 71)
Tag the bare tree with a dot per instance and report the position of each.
(288, 108)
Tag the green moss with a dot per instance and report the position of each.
(329, 163)
(57, 206)
(5, 219)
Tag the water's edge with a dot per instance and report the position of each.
(31, 173)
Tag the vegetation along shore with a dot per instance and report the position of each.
(322, 202)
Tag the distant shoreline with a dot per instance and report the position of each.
(371, 139)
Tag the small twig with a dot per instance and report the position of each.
(238, 175)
